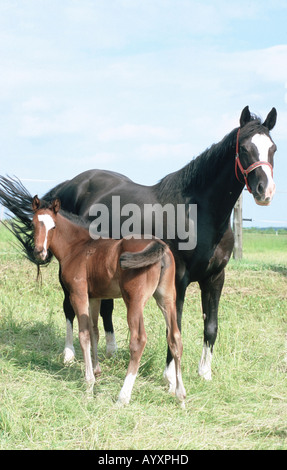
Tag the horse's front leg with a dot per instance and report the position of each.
(210, 295)
(106, 312)
(69, 350)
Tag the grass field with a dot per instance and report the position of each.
(43, 405)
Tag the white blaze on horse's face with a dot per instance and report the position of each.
(49, 223)
(263, 144)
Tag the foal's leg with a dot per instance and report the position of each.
(137, 344)
(210, 294)
(175, 345)
(106, 314)
(168, 308)
(80, 304)
(170, 372)
(94, 308)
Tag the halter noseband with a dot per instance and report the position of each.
(252, 167)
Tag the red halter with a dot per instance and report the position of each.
(252, 167)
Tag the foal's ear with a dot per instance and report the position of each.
(270, 121)
(35, 203)
(56, 205)
(245, 116)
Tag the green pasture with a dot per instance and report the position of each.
(43, 405)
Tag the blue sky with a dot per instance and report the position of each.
(137, 86)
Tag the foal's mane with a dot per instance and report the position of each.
(74, 218)
(201, 170)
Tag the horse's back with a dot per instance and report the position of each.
(98, 187)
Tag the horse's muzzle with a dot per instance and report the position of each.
(264, 198)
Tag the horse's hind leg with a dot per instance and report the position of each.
(137, 344)
(106, 314)
(210, 295)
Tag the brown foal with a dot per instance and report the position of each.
(91, 270)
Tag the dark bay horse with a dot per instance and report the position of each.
(213, 181)
(91, 270)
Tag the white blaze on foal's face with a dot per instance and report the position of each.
(49, 223)
(263, 144)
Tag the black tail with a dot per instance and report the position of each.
(148, 256)
(15, 197)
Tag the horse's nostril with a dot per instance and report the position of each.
(260, 188)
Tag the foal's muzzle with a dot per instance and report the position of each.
(40, 254)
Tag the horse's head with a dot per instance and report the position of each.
(254, 155)
(44, 221)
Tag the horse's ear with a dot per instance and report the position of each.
(56, 205)
(245, 116)
(35, 203)
(270, 121)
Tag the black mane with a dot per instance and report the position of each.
(200, 170)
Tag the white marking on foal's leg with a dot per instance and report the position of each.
(204, 368)
(180, 390)
(111, 344)
(170, 376)
(69, 351)
(126, 391)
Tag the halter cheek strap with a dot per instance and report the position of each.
(252, 167)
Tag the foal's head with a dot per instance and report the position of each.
(255, 151)
(44, 222)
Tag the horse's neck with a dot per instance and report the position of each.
(223, 191)
(210, 180)
(66, 237)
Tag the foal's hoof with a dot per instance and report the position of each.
(123, 398)
(97, 371)
(122, 402)
(181, 395)
(90, 390)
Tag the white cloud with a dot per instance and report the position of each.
(41, 119)
(132, 131)
(182, 152)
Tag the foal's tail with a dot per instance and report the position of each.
(17, 199)
(148, 256)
